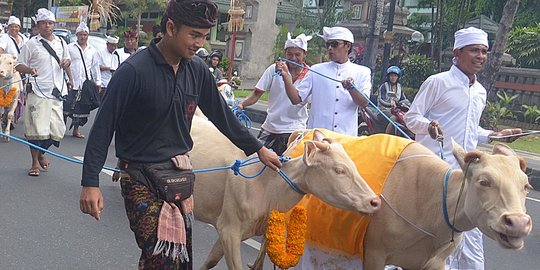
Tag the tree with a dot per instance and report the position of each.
(487, 76)
(374, 28)
(523, 45)
(137, 7)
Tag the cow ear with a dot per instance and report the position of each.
(503, 149)
(459, 153)
(294, 136)
(310, 148)
(472, 156)
(318, 136)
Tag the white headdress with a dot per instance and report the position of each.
(13, 20)
(82, 28)
(470, 36)
(44, 14)
(340, 33)
(301, 41)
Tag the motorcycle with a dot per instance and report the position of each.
(372, 122)
(226, 90)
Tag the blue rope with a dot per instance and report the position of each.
(358, 90)
(51, 152)
(444, 207)
(241, 115)
(238, 164)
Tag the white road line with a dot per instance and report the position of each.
(252, 243)
(107, 172)
(533, 199)
(257, 129)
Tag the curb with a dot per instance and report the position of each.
(258, 116)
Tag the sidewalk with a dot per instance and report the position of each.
(257, 113)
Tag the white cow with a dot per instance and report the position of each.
(9, 89)
(410, 230)
(239, 207)
(493, 200)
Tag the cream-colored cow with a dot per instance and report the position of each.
(238, 207)
(9, 91)
(493, 199)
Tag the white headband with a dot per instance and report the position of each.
(13, 20)
(301, 41)
(82, 28)
(470, 36)
(339, 33)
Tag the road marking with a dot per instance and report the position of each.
(107, 172)
(533, 199)
(252, 243)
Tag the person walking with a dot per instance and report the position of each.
(149, 106)
(45, 57)
(450, 103)
(84, 65)
(282, 117)
(334, 105)
(108, 61)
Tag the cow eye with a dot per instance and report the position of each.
(339, 170)
(485, 183)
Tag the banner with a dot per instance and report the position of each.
(70, 17)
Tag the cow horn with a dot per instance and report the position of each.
(322, 145)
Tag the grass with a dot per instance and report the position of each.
(529, 144)
(242, 93)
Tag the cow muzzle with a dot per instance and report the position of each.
(512, 229)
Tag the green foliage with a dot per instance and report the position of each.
(531, 113)
(523, 44)
(496, 111)
(417, 69)
(224, 65)
(506, 99)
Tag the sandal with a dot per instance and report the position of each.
(78, 135)
(34, 172)
(43, 162)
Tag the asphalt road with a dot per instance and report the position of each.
(41, 226)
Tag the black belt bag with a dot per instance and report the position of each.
(173, 180)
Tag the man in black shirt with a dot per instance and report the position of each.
(149, 104)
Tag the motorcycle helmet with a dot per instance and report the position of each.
(202, 53)
(395, 70)
(216, 53)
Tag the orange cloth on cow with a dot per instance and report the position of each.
(336, 229)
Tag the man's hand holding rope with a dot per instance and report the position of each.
(269, 158)
(435, 130)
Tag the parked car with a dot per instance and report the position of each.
(99, 43)
(65, 34)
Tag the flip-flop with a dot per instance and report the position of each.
(44, 163)
(78, 135)
(33, 172)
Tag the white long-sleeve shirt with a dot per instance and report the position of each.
(447, 98)
(332, 106)
(108, 59)
(77, 68)
(6, 43)
(49, 74)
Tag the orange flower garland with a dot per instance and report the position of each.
(7, 98)
(285, 247)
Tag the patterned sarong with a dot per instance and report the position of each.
(143, 209)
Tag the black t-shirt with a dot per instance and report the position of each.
(150, 110)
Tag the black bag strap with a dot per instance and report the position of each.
(117, 56)
(16, 46)
(84, 64)
(50, 49)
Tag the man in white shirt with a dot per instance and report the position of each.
(43, 122)
(130, 46)
(334, 105)
(282, 117)
(108, 61)
(13, 41)
(453, 102)
(81, 70)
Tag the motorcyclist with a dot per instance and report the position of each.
(213, 63)
(203, 54)
(391, 94)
